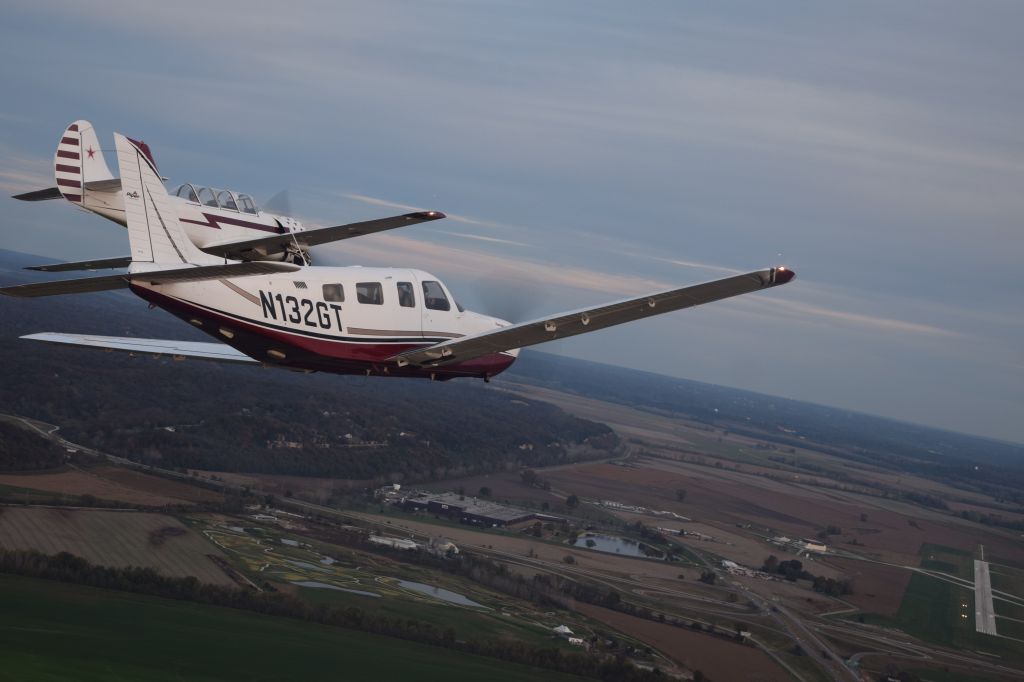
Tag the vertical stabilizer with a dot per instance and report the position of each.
(78, 160)
(154, 233)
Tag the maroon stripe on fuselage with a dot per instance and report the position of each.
(214, 221)
(62, 168)
(73, 128)
(302, 352)
(68, 183)
(73, 197)
(69, 140)
(68, 155)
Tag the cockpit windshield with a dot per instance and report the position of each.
(217, 198)
(227, 200)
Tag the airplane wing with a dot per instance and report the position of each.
(98, 264)
(108, 282)
(196, 350)
(246, 248)
(583, 321)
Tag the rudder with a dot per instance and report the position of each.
(154, 233)
(79, 160)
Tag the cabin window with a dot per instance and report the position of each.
(206, 197)
(226, 200)
(406, 295)
(246, 204)
(188, 193)
(299, 284)
(434, 297)
(334, 292)
(370, 292)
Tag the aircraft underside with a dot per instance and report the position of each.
(318, 353)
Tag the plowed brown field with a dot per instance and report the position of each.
(111, 538)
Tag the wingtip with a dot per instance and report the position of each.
(782, 274)
(428, 215)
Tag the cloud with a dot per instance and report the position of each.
(22, 174)
(375, 201)
(493, 240)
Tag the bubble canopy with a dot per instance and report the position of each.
(217, 198)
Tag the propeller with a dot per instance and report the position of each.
(510, 297)
(279, 204)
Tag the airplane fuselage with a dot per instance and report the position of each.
(344, 320)
(203, 219)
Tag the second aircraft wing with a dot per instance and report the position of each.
(247, 249)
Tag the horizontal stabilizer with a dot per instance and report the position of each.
(196, 350)
(576, 322)
(243, 248)
(39, 195)
(204, 272)
(98, 264)
(155, 276)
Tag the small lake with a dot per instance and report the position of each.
(306, 564)
(324, 586)
(440, 593)
(612, 544)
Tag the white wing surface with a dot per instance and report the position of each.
(576, 322)
(196, 350)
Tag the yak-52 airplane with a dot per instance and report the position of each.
(345, 320)
(220, 222)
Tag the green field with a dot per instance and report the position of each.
(956, 562)
(56, 631)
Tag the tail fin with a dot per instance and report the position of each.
(79, 160)
(154, 233)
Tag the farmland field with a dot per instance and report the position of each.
(111, 538)
(114, 484)
(55, 631)
(720, 659)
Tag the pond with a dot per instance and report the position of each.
(440, 593)
(613, 544)
(324, 586)
(306, 564)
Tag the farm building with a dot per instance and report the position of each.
(814, 545)
(467, 509)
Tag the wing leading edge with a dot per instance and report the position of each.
(588, 320)
(244, 248)
(157, 276)
(196, 350)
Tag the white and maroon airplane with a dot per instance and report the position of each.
(345, 320)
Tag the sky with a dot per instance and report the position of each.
(586, 151)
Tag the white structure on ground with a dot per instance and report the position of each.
(397, 543)
(814, 545)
